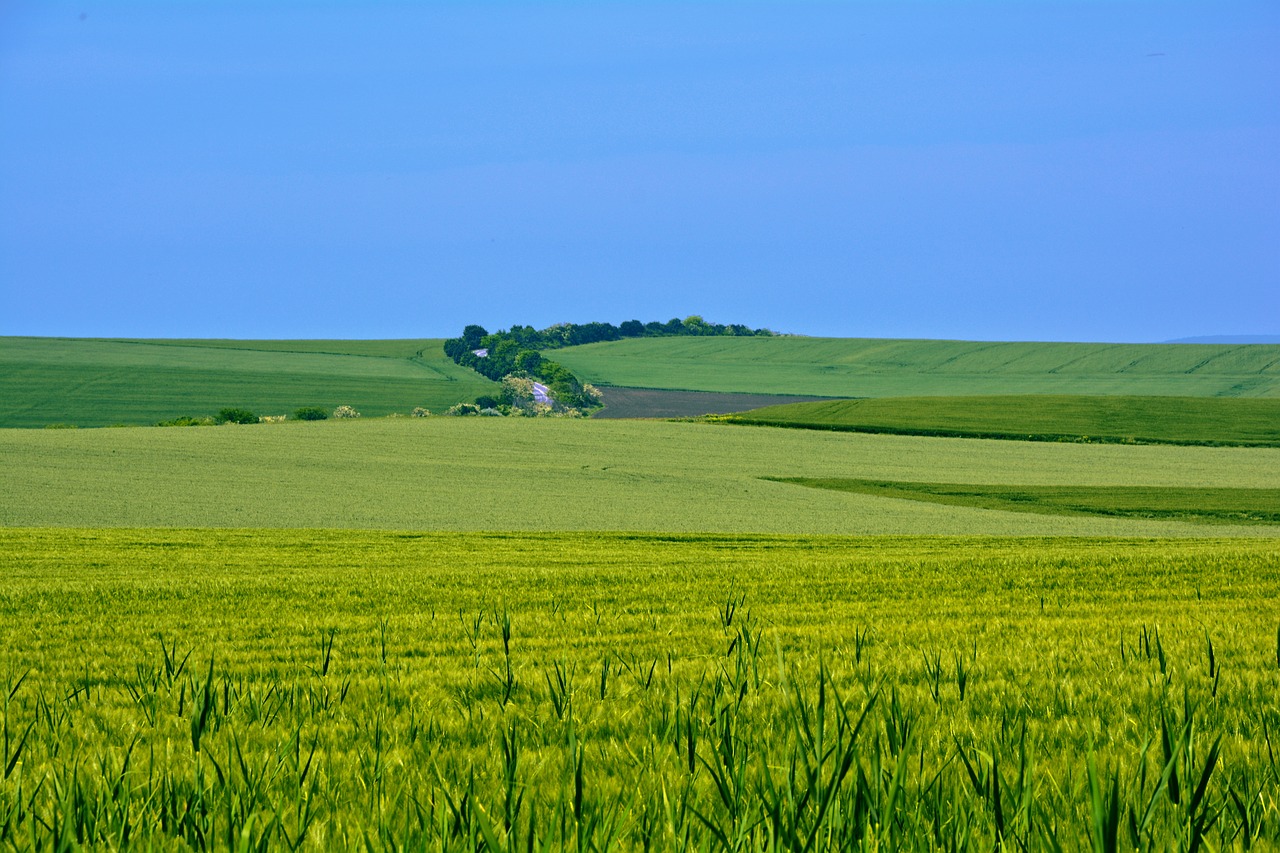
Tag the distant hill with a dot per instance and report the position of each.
(1229, 339)
(863, 367)
(98, 382)
(93, 382)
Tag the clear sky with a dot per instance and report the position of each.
(1012, 171)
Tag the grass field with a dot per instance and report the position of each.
(1210, 505)
(179, 689)
(490, 634)
(852, 367)
(1174, 420)
(85, 382)
(526, 474)
(90, 382)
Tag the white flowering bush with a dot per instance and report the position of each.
(272, 419)
(593, 392)
(345, 412)
(517, 390)
(420, 412)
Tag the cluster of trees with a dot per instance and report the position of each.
(515, 351)
(574, 334)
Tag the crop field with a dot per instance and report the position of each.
(527, 474)
(180, 689)
(852, 367)
(86, 382)
(553, 634)
(1173, 420)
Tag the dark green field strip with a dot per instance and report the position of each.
(1208, 505)
(855, 367)
(99, 382)
(657, 403)
(1134, 420)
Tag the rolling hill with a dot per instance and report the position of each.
(858, 367)
(101, 382)
(93, 382)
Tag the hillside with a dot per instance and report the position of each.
(1171, 420)
(858, 367)
(92, 382)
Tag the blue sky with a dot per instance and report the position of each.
(1006, 171)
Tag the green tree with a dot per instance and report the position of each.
(472, 335)
(529, 361)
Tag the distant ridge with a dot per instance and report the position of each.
(863, 367)
(1229, 339)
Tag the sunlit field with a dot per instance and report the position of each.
(533, 474)
(313, 689)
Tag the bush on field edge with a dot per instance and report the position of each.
(231, 415)
(187, 420)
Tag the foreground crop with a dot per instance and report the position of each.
(320, 689)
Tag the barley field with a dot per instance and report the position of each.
(195, 689)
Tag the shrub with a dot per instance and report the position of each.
(235, 416)
(484, 401)
(463, 409)
(272, 419)
(187, 420)
(345, 412)
(517, 390)
(311, 413)
(420, 412)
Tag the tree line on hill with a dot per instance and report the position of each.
(517, 351)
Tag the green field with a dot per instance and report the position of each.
(87, 382)
(1171, 420)
(527, 474)
(1210, 505)
(92, 382)
(179, 689)
(853, 367)
(489, 634)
